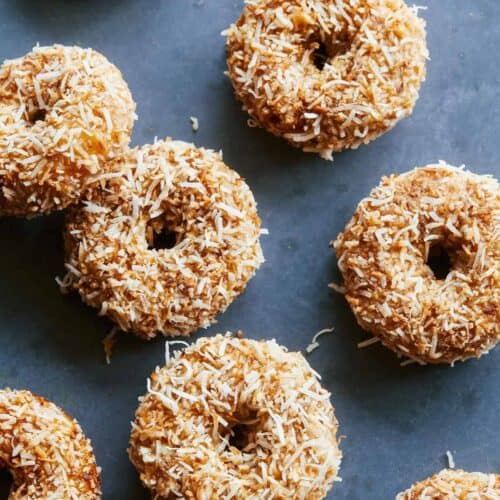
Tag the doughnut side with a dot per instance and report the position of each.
(327, 76)
(455, 484)
(45, 450)
(169, 188)
(235, 417)
(383, 255)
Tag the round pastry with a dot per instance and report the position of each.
(235, 418)
(326, 75)
(386, 255)
(44, 450)
(455, 484)
(64, 111)
(118, 252)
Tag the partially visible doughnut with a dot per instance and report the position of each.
(168, 187)
(455, 485)
(45, 450)
(236, 418)
(327, 75)
(64, 111)
(383, 253)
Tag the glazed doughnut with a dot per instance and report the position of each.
(454, 485)
(235, 418)
(173, 187)
(44, 450)
(383, 254)
(63, 112)
(326, 75)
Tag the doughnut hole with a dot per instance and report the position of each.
(241, 435)
(161, 236)
(327, 49)
(439, 260)
(6, 483)
(36, 115)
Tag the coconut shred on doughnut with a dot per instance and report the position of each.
(64, 111)
(454, 485)
(115, 255)
(383, 255)
(236, 418)
(45, 450)
(326, 75)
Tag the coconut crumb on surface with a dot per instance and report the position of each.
(195, 125)
(109, 342)
(451, 461)
(236, 418)
(314, 343)
(368, 342)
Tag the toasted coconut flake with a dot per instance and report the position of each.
(235, 418)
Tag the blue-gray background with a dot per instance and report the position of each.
(398, 422)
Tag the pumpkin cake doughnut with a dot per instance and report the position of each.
(64, 111)
(235, 418)
(384, 251)
(44, 450)
(326, 75)
(455, 485)
(168, 188)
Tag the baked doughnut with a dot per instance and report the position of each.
(168, 188)
(44, 450)
(326, 75)
(235, 418)
(63, 112)
(383, 254)
(455, 485)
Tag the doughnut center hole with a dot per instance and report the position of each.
(325, 50)
(320, 56)
(37, 115)
(6, 483)
(439, 261)
(242, 433)
(160, 237)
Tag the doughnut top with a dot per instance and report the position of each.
(455, 484)
(236, 418)
(64, 111)
(168, 187)
(383, 254)
(327, 75)
(45, 450)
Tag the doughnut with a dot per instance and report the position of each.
(385, 252)
(455, 484)
(327, 76)
(169, 188)
(64, 111)
(235, 418)
(44, 450)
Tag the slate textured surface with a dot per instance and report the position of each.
(398, 422)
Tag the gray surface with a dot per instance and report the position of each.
(398, 422)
